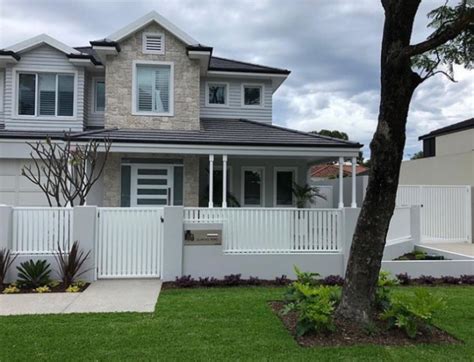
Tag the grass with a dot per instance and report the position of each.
(217, 324)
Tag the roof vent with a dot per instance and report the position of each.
(153, 43)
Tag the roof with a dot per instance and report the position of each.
(456, 127)
(332, 170)
(230, 65)
(237, 132)
(39, 40)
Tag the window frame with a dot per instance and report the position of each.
(95, 80)
(2, 91)
(294, 170)
(144, 38)
(36, 71)
(253, 85)
(213, 105)
(262, 185)
(135, 111)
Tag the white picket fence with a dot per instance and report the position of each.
(446, 211)
(39, 230)
(274, 230)
(129, 242)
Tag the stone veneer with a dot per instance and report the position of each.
(118, 80)
(111, 177)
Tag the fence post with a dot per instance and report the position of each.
(349, 221)
(6, 226)
(84, 231)
(172, 257)
(415, 224)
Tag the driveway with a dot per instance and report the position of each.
(103, 296)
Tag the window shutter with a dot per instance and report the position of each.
(153, 43)
(47, 94)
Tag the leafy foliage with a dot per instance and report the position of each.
(382, 293)
(33, 274)
(333, 280)
(70, 264)
(404, 278)
(334, 134)
(417, 155)
(410, 312)
(306, 193)
(6, 260)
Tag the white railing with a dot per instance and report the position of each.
(445, 212)
(129, 242)
(39, 230)
(400, 225)
(272, 230)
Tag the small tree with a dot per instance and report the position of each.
(306, 193)
(64, 171)
(417, 155)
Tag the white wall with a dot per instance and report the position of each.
(361, 186)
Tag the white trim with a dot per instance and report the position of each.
(341, 183)
(262, 95)
(36, 71)
(260, 169)
(169, 196)
(152, 16)
(211, 182)
(39, 40)
(294, 170)
(227, 91)
(144, 43)
(246, 74)
(95, 80)
(135, 112)
(2, 86)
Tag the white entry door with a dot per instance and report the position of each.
(151, 185)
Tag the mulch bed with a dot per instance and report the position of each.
(58, 289)
(413, 256)
(348, 334)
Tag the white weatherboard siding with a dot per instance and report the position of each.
(48, 59)
(235, 109)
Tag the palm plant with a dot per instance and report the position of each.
(306, 193)
(33, 274)
(6, 260)
(70, 264)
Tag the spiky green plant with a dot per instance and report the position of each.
(6, 260)
(33, 274)
(70, 264)
(306, 193)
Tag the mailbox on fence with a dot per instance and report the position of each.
(202, 234)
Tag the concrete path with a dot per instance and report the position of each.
(466, 249)
(103, 296)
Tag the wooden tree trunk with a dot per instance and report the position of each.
(398, 83)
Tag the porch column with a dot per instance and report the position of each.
(211, 181)
(224, 181)
(354, 203)
(341, 183)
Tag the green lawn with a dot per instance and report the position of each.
(205, 324)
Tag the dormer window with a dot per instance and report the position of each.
(252, 95)
(217, 94)
(153, 43)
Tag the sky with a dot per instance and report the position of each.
(332, 48)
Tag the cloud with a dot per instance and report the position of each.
(331, 47)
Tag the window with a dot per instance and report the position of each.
(99, 95)
(283, 186)
(429, 147)
(153, 43)
(45, 94)
(253, 179)
(2, 81)
(217, 94)
(252, 95)
(153, 89)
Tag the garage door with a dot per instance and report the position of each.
(16, 189)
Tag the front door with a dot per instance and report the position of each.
(151, 185)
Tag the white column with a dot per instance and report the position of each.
(211, 181)
(354, 163)
(341, 183)
(224, 181)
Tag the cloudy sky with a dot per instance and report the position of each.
(331, 46)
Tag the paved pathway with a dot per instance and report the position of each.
(103, 296)
(466, 249)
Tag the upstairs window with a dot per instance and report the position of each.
(153, 43)
(99, 95)
(217, 94)
(45, 94)
(252, 95)
(153, 89)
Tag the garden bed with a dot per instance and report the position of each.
(52, 289)
(347, 334)
(420, 255)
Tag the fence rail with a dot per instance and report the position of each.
(272, 230)
(38, 230)
(445, 213)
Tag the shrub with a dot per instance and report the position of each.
(33, 274)
(232, 279)
(450, 280)
(11, 289)
(43, 289)
(73, 289)
(426, 279)
(315, 307)
(70, 264)
(306, 277)
(333, 280)
(382, 293)
(467, 279)
(254, 281)
(208, 282)
(410, 312)
(283, 280)
(404, 278)
(6, 260)
(186, 281)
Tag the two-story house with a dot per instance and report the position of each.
(176, 114)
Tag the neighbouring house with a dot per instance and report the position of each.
(177, 116)
(448, 158)
(331, 171)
